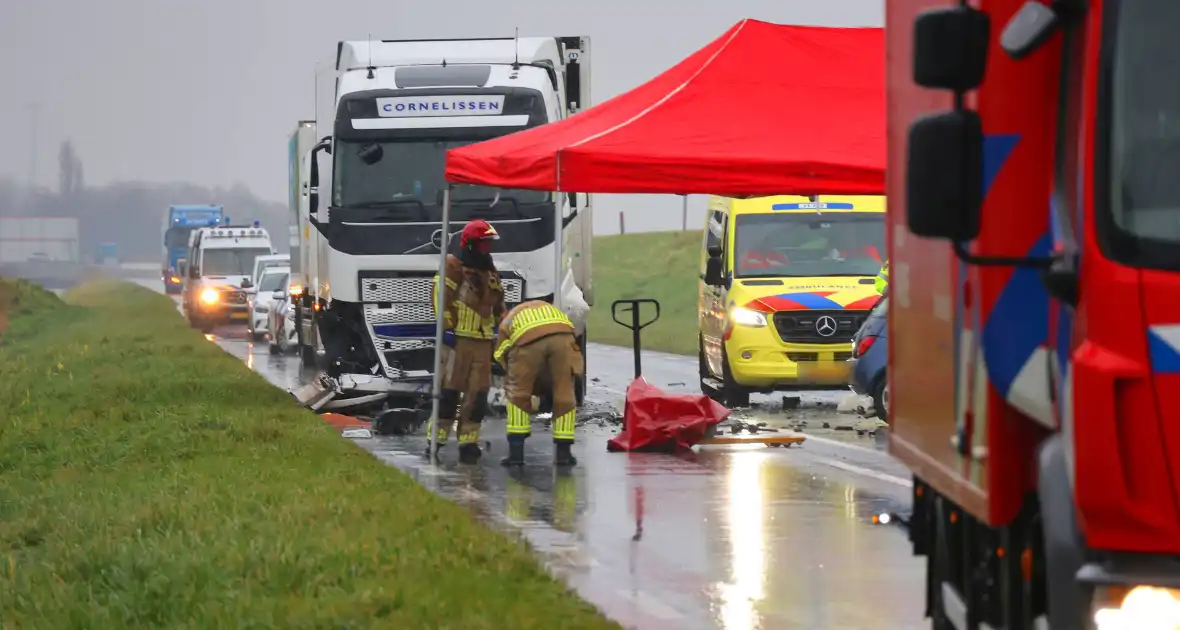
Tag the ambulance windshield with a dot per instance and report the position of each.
(808, 244)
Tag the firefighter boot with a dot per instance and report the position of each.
(469, 453)
(564, 457)
(515, 454)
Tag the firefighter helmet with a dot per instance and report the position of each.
(477, 230)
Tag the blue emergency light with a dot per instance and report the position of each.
(257, 223)
(812, 206)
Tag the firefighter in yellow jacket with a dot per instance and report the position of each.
(472, 301)
(537, 344)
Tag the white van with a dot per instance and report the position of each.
(219, 262)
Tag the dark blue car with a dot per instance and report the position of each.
(870, 350)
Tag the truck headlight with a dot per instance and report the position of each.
(295, 289)
(1143, 608)
(210, 296)
(746, 317)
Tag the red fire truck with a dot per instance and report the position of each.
(1035, 307)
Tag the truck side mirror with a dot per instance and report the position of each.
(313, 178)
(950, 48)
(247, 284)
(713, 276)
(944, 175)
(194, 272)
(1031, 26)
(180, 266)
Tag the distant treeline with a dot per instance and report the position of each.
(133, 214)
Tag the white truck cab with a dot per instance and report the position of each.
(219, 260)
(371, 191)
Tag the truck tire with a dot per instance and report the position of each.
(1064, 551)
(937, 568)
(307, 353)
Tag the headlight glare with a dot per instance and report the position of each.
(746, 317)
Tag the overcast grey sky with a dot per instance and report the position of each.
(207, 91)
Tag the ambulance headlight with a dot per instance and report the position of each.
(746, 317)
(210, 296)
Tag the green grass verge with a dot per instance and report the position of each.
(660, 265)
(149, 480)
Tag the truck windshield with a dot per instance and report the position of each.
(410, 172)
(230, 262)
(809, 245)
(177, 237)
(1144, 133)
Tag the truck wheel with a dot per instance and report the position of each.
(732, 394)
(881, 399)
(307, 353)
(938, 569)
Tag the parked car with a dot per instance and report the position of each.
(870, 350)
(281, 320)
(273, 279)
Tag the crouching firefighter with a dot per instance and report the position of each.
(472, 301)
(537, 345)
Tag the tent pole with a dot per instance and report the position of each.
(558, 238)
(440, 310)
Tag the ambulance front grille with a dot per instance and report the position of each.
(804, 326)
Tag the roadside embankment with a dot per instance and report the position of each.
(660, 265)
(150, 480)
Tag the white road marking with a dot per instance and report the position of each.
(873, 474)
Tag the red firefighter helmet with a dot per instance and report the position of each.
(477, 230)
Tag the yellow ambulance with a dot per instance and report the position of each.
(785, 284)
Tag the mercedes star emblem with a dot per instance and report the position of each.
(825, 326)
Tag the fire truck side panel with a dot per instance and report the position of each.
(974, 440)
(1008, 307)
(921, 348)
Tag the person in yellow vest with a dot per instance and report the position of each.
(472, 300)
(882, 278)
(537, 344)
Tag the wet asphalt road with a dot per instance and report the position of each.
(731, 538)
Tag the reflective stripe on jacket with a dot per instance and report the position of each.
(471, 300)
(529, 321)
(882, 278)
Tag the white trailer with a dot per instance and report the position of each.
(375, 188)
(39, 239)
(304, 241)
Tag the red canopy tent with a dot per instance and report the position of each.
(765, 109)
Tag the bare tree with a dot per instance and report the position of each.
(69, 175)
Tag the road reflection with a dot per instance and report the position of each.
(747, 542)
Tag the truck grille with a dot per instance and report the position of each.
(401, 319)
(810, 326)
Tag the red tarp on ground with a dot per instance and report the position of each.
(763, 110)
(657, 421)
